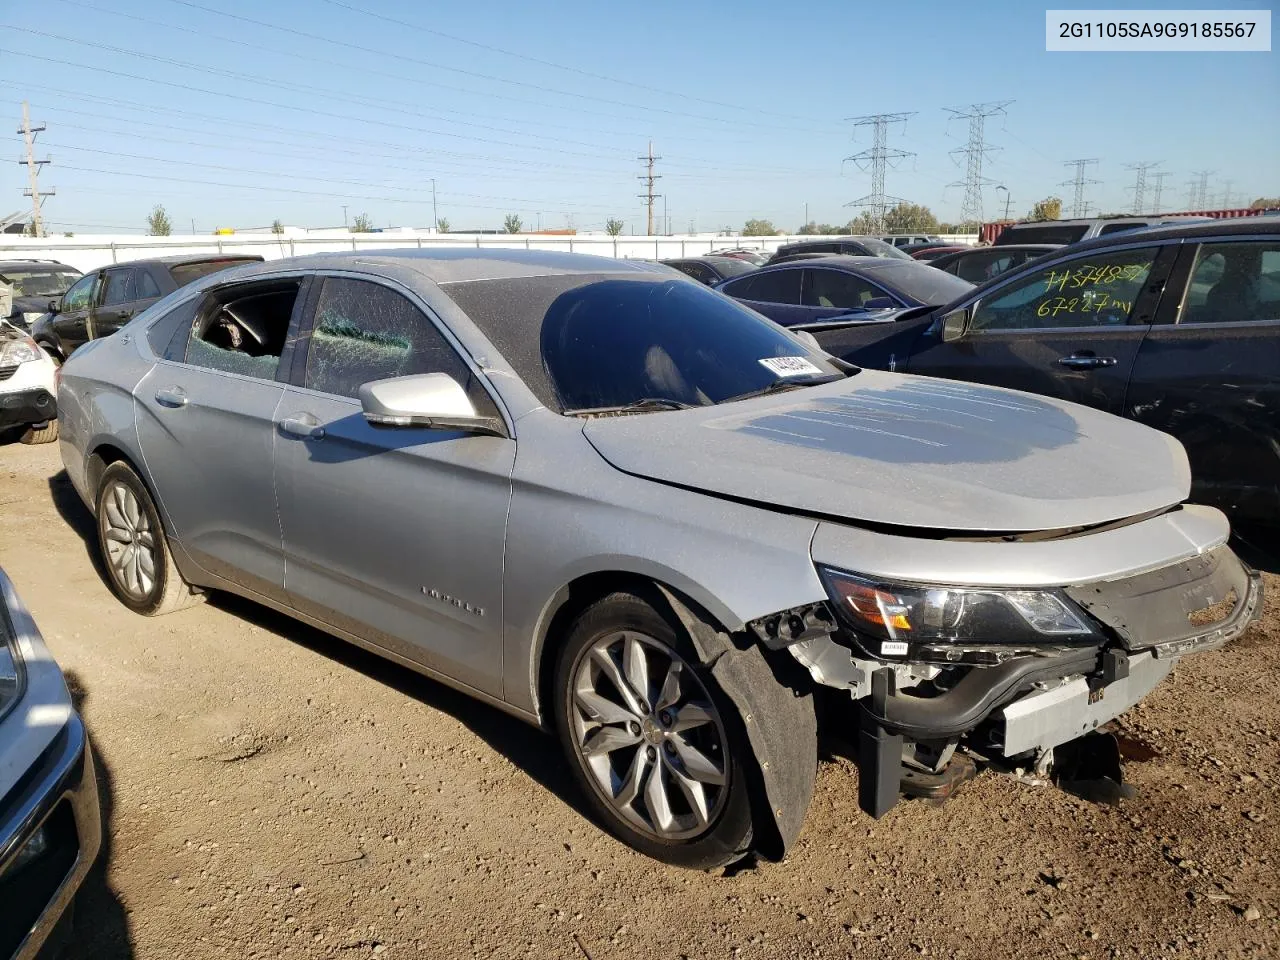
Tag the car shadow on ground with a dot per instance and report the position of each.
(100, 923)
(76, 516)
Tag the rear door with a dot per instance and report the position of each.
(773, 292)
(116, 302)
(395, 535)
(205, 420)
(1069, 329)
(1210, 374)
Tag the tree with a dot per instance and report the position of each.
(362, 224)
(158, 224)
(512, 223)
(442, 225)
(1265, 203)
(1050, 208)
(910, 218)
(613, 227)
(812, 229)
(759, 228)
(277, 227)
(863, 223)
(68, 234)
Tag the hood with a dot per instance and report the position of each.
(910, 451)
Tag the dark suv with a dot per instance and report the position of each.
(102, 301)
(846, 246)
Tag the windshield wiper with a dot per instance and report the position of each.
(636, 406)
(780, 386)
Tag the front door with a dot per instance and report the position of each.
(774, 293)
(1211, 376)
(395, 535)
(71, 322)
(1070, 329)
(205, 426)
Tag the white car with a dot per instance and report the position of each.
(28, 386)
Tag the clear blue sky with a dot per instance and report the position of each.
(542, 109)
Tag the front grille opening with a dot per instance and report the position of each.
(25, 891)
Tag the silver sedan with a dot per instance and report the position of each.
(618, 504)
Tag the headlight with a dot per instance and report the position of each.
(19, 351)
(12, 678)
(954, 624)
(32, 317)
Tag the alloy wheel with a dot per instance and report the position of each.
(131, 543)
(646, 729)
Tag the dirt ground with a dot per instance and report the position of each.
(273, 792)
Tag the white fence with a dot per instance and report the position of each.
(91, 252)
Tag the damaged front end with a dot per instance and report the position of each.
(1006, 674)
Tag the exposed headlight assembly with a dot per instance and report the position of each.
(954, 624)
(30, 317)
(16, 352)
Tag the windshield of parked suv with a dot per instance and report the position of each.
(40, 283)
(592, 343)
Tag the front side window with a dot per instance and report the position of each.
(243, 329)
(1234, 282)
(831, 288)
(117, 287)
(364, 331)
(775, 286)
(585, 342)
(80, 295)
(1097, 290)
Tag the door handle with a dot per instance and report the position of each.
(171, 397)
(303, 427)
(1077, 362)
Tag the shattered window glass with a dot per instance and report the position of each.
(364, 331)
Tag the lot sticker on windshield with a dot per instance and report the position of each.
(790, 366)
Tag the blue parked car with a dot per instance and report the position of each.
(844, 289)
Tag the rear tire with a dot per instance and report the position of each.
(642, 724)
(46, 434)
(134, 549)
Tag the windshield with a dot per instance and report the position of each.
(922, 282)
(592, 342)
(878, 248)
(184, 273)
(40, 283)
(732, 267)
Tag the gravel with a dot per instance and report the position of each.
(274, 792)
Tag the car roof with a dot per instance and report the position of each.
(34, 265)
(467, 264)
(705, 258)
(850, 263)
(181, 258)
(1010, 247)
(1228, 227)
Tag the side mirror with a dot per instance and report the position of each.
(954, 325)
(879, 303)
(55, 306)
(432, 400)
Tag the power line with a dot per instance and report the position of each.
(1140, 183)
(975, 152)
(33, 170)
(1159, 188)
(1079, 206)
(649, 177)
(875, 159)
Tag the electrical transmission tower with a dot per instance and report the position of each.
(1159, 189)
(974, 152)
(649, 177)
(1078, 203)
(33, 170)
(1140, 183)
(876, 159)
(1227, 196)
(1198, 190)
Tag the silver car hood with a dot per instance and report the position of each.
(911, 451)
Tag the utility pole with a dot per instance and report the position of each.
(1079, 182)
(344, 215)
(974, 151)
(193, 226)
(33, 170)
(1159, 178)
(875, 159)
(1226, 194)
(1140, 183)
(649, 177)
(435, 214)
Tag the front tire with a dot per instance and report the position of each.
(46, 434)
(643, 726)
(134, 549)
